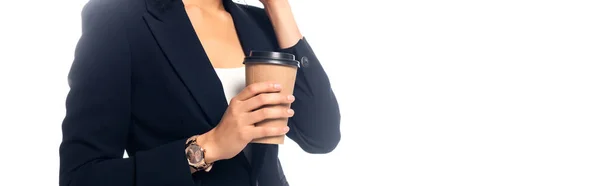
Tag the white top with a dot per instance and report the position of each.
(234, 81)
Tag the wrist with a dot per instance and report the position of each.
(207, 142)
(277, 5)
(284, 24)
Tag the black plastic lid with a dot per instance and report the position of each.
(277, 58)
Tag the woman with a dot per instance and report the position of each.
(153, 77)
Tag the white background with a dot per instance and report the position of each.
(437, 92)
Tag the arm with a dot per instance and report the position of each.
(316, 125)
(95, 129)
(283, 22)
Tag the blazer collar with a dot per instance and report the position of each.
(176, 37)
(251, 35)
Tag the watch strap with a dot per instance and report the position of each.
(200, 164)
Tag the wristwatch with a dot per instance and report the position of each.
(195, 155)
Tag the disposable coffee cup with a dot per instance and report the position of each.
(278, 67)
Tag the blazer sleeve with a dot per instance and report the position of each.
(316, 124)
(95, 128)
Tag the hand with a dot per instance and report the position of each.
(237, 128)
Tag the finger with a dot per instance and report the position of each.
(261, 100)
(258, 88)
(270, 112)
(264, 131)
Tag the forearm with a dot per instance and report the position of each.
(82, 164)
(316, 125)
(284, 24)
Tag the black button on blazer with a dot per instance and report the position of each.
(141, 82)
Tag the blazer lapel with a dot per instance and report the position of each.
(250, 34)
(175, 35)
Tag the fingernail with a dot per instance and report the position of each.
(290, 111)
(277, 86)
(290, 97)
(286, 129)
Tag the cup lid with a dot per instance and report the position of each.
(276, 58)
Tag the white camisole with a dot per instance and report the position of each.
(234, 81)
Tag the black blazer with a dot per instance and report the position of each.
(141, 82)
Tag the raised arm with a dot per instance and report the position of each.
(95, 129)
(316, 124)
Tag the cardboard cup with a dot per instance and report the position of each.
(273, 67)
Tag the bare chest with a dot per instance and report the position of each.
(218, 37)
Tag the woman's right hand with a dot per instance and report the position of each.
(236, 129)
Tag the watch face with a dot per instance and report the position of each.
(194, 154)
